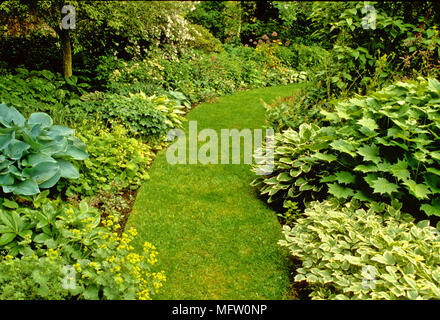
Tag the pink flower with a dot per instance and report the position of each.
(255, 42)
(260, 41)
(246, 45)
(274, 34)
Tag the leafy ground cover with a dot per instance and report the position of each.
(216, 239)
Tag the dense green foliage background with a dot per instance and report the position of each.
(83, 112)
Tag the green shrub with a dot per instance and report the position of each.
(292, 111)
(141, 115)
(65, 241)
(42, 91)
(115, 158)
(351, 253)
(35, 154)
(301, 160)
(203, 39)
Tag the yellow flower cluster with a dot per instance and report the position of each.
(125, 264)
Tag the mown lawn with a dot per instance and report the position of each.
(216, 239)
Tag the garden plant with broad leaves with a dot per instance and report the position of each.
(35, 153)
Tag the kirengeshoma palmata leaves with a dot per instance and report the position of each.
(35, 154)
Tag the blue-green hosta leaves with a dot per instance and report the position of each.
(35, 154)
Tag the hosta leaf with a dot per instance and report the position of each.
(69, 171)
(5, 139)
(26, 188)
(15, 149)
(41, 118)
(283, 176)
(400, 171)
(339, 191)
(295, 173)
(11, 115)
(420, 191)
(73, 153)
(272, 180)
(370, 153)
(42, 172)
(6, 179)
(434, 85)
(35, 158)
(345, 177)
(383, 186)
(52, 181)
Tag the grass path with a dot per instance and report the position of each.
(216, 239)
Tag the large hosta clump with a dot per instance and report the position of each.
(35, 154)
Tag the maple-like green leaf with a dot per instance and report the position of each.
(324, 157)
(420, 191)
(339, 191)
(368, 123)
(400, 171)
(360, 195)
(344, 146)
(366, 168)
(433, 170)
(382, 186)
(370, 153)
(430, 210)
(345, 177)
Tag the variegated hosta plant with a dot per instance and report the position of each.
(35, 154)
(301, 159)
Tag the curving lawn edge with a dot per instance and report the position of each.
(216, 239)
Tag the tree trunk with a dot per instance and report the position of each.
(66, 52)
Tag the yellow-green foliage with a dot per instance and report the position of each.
(353, 253)
(114, 158)
(203, 39)
(63, 251)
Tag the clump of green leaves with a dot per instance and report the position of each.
(114, 159)
(63, 251)
(291, 112)
(381, 147)
(141, 115)
(352, 253)
(35, 154)
(301, 160)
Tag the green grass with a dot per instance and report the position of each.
(216, 239)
